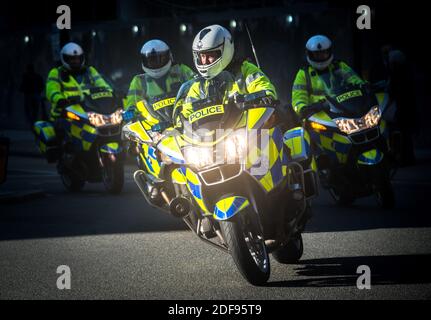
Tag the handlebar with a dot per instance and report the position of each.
(316, 107)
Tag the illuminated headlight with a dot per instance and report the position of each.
(370, 120)
(199, 157)
(236, 146)
(117, 117)
(98, 120)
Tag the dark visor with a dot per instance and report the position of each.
(156, 60)
(320, 56)
(68, 59)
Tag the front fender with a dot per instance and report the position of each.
(111, 148)
(370, 157)
(228, 207)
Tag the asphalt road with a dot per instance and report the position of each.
(117, 247)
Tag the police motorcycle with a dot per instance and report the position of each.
(239, 180)
(86, 141)
(351, 142)
(142, 130)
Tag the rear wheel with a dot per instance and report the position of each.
(244, 237)
(290, 252)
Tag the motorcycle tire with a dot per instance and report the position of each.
(291, 252)
(342, 198)
(385, 195)
(72, 182)
(113, 177)
(242, 236)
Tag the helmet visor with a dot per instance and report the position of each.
(156, 60)
(75, 62)
(205, 58)
(320, 56)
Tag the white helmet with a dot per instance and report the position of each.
(212, 50)
(319, 52)
(69, 53)
(156, 58)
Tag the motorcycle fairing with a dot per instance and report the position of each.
(149, 158)
(112, 148)
(229, 207)
(138, 128)
(266, 160)
(298, 142)
(335, 145)
(195, 187)
(371, 157)
(45, 133)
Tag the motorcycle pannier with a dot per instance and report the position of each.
(47, 140)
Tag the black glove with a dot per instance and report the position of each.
(63, 103)
(308, 111)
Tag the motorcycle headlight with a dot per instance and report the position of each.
(117, 117)
(370, 120)
(236, 146)
(98, 120)
(199, 157)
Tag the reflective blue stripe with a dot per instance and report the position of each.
(196, 190)
(292, 134)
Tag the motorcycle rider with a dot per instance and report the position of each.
(308, 88)
(224, 76)
(221, 73)
(71, 79)
(157, 87)
(161, 79)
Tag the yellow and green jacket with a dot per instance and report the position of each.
(308, 87)
(62, 85)
(249, 79)
(158, 95)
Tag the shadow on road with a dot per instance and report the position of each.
(339, 272)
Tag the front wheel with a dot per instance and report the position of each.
(385, 195)
(113, 177)
(72, 182)
(244, 237)
(342, 198)
(291, 252)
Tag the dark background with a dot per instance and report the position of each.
(104, 29)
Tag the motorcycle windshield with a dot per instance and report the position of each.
(102, 102)
(162, 106)
(210, 121)
(345, 93)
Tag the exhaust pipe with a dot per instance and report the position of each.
(179, 207)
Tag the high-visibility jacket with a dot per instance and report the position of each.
(309, 88)
(248, 79)
(158, 95)
(62, 85)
